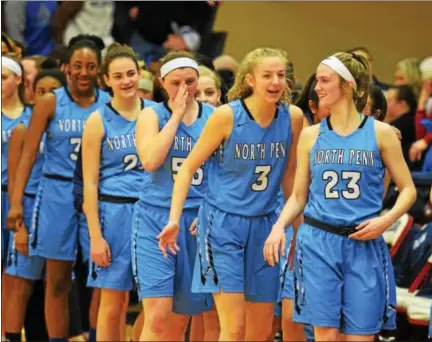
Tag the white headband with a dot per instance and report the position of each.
(181, 62)
(335, 63)
(10, 64)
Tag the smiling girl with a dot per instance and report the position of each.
(257, 135)
(339, 186)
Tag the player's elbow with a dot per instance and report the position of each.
(413, 193)
(300, 197)
(150, 165)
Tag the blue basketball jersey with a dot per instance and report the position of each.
(246, 174)
(64, 132)
(36, 172)
(347, 176)
(7, 126)
(158, 185)
(121, 172)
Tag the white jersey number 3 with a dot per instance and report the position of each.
(262, 181)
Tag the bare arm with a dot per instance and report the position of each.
(217, 129)
(297, 122)
(153, 145)
(391, 153)
(306, 122)
(297, 125)
(91, 148)
(387, 179)
(16, 144)
(43, 112)
(297, 201)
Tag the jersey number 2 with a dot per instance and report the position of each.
(352, 190)
(131, 162)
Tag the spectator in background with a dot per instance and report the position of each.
(168, 25)
(424, 113)
(376, 104)
(408, 72)
(362, 51)
(145, 85)
(9, 46)
(83, 17)
(401, 107)
(226, 67)
(20, 48)
(31, 65)
(59, 54)
(29, 22)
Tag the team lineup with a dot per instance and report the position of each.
(240, 216)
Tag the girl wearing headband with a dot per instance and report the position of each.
(13, 110)
(21, 269)
(251, 144)
(13, 107)
(165, 135)
(339, 188)
(54, 231)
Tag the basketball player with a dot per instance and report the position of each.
(112, 179)
(258, 132)
(53, 235)
(21, 269)
(342, 161)
(13, 109)
(166, 134)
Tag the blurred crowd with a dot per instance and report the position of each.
(39, 33)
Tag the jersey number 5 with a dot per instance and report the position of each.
(176, 163)
(262, 181)
(352, 190)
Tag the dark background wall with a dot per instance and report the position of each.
(310, 31)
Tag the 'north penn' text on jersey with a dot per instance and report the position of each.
(260, 151)
(336, 156)
(120, 142)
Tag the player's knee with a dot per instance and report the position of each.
(212, 327)
(58, 287)
(326, 334)
(293, 331)
(111, 313)
(235, 335)
(236, 331)
(158, 321)
(111, 310)
(260, 332)
(21, 287)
